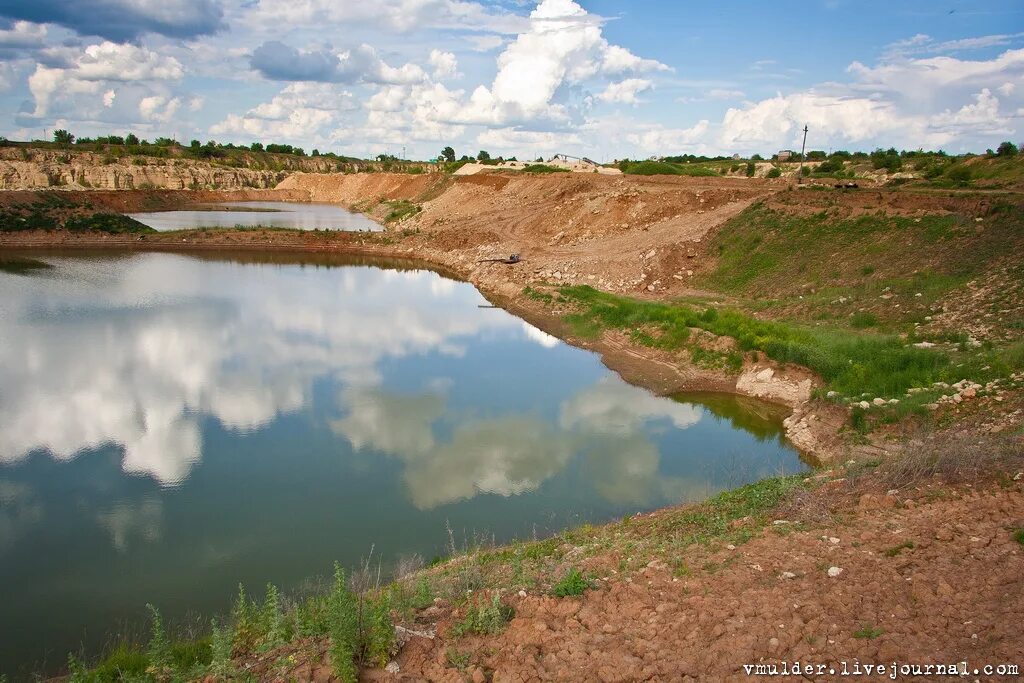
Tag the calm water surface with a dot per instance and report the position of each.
(297, 215)
(172, 425)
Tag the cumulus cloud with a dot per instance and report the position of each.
(277, 61)
(932, 101)
(20, 39)
(158, 108)
(121, 20)
(564, 45)
(395, 15)
(445, 64)
(625, 91)
(96, 66)
(299, 111)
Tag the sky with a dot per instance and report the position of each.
(604, 79)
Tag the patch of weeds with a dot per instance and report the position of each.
(361, 630)
(573, 583)
(1018, 536)
(896, 550)
(867, 632)
(400, 210)
(484, 617)
(536, 295)
(863, 319)
(851, 364)
(457, 659)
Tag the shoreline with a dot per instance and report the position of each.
(789, 386)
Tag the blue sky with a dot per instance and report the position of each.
(601, 78)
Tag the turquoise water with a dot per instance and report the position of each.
(172, 425)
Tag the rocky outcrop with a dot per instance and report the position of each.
(29, 168)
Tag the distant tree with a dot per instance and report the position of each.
(256, 146)
(165, 142)
(1005, 149)
(540, 160)
(195, 144)
(889, 159)
(315, 153)
(131, 139)
(757, 157)
(839, 154)
(62, 137)
(483, 156)
(816, 155)
(751, 169)
(448, 154)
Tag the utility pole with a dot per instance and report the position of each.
(803, 151)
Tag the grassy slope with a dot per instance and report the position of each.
(275, 629)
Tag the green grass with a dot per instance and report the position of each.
(544, 168)
(768, 250)
(665, 168)
(850, 364)
(484, 617)
(572, 584)
(1018, 536)
(400, 210)
(897, 549)
(867, 632)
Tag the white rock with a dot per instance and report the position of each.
(787, 575)
(835, 571)
(879, 401)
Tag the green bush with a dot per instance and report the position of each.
(573, 583)
(751, 169)
(959, 174)
(484, 617)
(774, 173)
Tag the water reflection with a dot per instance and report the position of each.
(171, 425)
(293, 215)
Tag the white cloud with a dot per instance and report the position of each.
(300, 111)
(444, 63)
(672, 140)
(394, 15)
(932, 101)
(98, 65)
(108, 98)
(511, 142)
(564, 45)
(158, 108)
(625, 91)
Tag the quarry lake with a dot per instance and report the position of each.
(172, 425)
(296, 215)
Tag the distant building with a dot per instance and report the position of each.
(784, 155)
(736, 157)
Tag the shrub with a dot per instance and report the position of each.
(159, 649)
(751, 169)
(544, 168)
(959, 174)
(484, 617)
(361, 630)
(862, 319)
(774, 173)
(573, 583)
(1005, 149)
